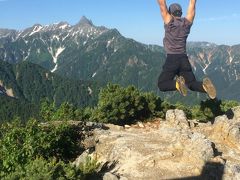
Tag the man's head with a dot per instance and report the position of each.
(175, 10)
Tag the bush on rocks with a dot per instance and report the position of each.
(120, 105)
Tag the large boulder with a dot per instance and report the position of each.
(198, 149)
(177, 117)
(167, 152)
(227, 130)
(169, 149)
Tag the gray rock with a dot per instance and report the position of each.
(171, 151)
(180, 115)
(177, 117)
(82, 158)
(123, 178)
(226, 129)
(193, 123)
(221, 120)
(127, 126)
(234, 133)
(95, 125)
(170, 116)
(109, 176)
(89, 142)
(236, 112)
(199, 148)
(232, 170)
(89, 124)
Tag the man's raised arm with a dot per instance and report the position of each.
(191, 10)
(164, 11)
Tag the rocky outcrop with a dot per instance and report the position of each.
(174, 148)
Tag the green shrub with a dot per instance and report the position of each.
(89, 166)
(196, 113)
(22, 143)
(120, 105)
(165, 106)
(185, 108)
(65, 112)
(83, 114)
(47, 110)
(226, 105)
(209, 109)
(154, 105)
(42, 169)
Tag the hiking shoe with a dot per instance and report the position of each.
(180, 85)
(209, 88)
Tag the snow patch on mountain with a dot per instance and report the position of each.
(90, 91)
(59, 51)
(55, 56)
(5, 55)
(64, 26)
(56, 37)
(110, 41)
(205, 68)
(35, 30)
(28, 53)
(237, 75)
(63, 38)
(94, 74)
(230, 55)
(5, 90)
(55, 68)
(5, 35)
(25, 41)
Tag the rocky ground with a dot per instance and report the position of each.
(173, 148)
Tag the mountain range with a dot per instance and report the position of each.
(85, 52)
(32, 83)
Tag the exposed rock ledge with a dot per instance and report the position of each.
(175, 148)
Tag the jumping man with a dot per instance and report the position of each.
(177, 29)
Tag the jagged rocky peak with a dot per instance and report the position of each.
(6, 32)
(63, 25)
(114, 31)
(84, 21)
(37, 25)
(59, 25)
(31, 30)
(56, 26)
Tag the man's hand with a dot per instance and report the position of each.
(191, 10)
(164, 11)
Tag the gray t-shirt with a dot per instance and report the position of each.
(176, 33)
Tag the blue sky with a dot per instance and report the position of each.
(217, 21)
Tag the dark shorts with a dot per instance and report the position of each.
(178, 64)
